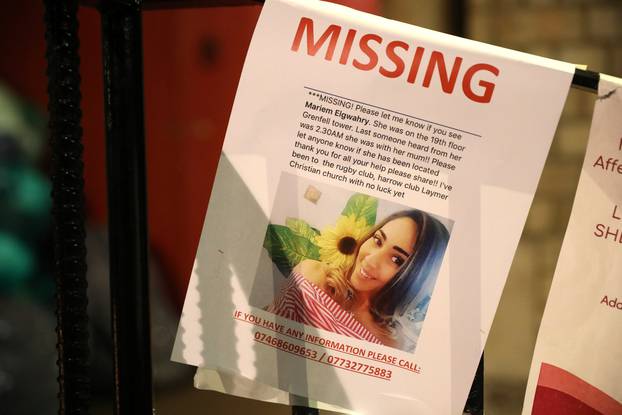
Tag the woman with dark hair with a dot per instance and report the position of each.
(393, 263)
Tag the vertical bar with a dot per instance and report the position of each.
(68, 204)
(457, 18)
(303, 410)
(127, 208)
(475, 401)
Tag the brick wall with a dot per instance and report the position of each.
(424, 13)
(578, 31)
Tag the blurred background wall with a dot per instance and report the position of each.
(192, 61)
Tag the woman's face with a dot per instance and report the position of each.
(383, 254)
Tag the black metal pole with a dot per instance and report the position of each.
(475, 400)
(457, 20)
(456, 17)
(68, 205)
(303, 410)
(127, 207)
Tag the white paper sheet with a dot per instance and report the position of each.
(454, 128)
(577, 363)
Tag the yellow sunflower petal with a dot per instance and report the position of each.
(328, 240)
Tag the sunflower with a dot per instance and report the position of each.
(338, 243)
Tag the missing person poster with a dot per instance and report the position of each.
(577, 363)
(373, 185)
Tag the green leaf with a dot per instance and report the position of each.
(287, 249)
(362, 206)
(301, 228)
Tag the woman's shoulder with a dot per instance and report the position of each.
(382, 335)
(313, 271)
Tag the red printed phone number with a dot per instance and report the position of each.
(358, 367)
(285, 345)
(346, 364)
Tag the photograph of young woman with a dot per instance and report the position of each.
(392, 264)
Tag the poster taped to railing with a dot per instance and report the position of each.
(373, 185)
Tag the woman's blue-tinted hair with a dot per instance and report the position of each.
(428, 251)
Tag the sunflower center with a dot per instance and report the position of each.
(347, 245)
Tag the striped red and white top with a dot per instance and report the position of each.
(302, 301)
